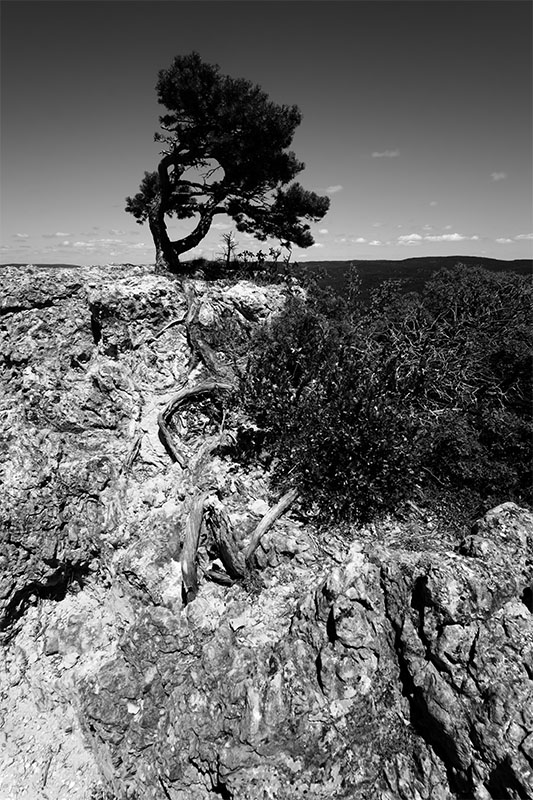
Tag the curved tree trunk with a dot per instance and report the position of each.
(167, 253)
(165, 260)
(199, 233)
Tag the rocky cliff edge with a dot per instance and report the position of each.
(395, 663)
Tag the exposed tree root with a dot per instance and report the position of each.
(177, 321)
(237, 562)
(179, 400)
(201, 351)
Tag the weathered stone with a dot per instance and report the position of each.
(396, 667)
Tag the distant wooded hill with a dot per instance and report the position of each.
(414, 272)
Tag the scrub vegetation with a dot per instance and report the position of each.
(422, 397)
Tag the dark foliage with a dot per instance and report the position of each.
(226, 152)
(424, 396)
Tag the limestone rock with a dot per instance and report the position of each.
(394, 667)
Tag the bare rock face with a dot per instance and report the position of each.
(385, 667)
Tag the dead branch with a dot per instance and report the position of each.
(266, 523)
(236, 563)
(226, 542)
(189, 574)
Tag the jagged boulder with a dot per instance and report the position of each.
(71, 414)
(464, 638)
(400, 674)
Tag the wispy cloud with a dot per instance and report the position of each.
(102, 244)
(416, 238)
(221, 226)
(20, 235)
(60, 234)
(318, 244)
(375, 243)
(498, 176)
(503, 240)
(334, 189)
(386, 154)
(409, 238)
(433, 203)
(524, 236)
(360, 240)
(447, 237)
(323, 231)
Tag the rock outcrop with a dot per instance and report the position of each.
(392, 665)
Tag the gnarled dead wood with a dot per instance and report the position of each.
(218, 576)
(228, 548)
(198, 465)
(266, 523)
(182, 398)
(189, 573)
(236, 562)
(132, 455)
(200, 349)
(176, 321)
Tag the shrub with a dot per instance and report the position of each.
(420, 395)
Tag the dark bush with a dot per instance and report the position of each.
(419, 396)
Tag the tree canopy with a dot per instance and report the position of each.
(225, 152)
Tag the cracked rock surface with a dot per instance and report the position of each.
(386, 666)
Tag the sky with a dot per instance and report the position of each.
(417, 120)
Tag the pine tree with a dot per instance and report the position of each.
(226, 152)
